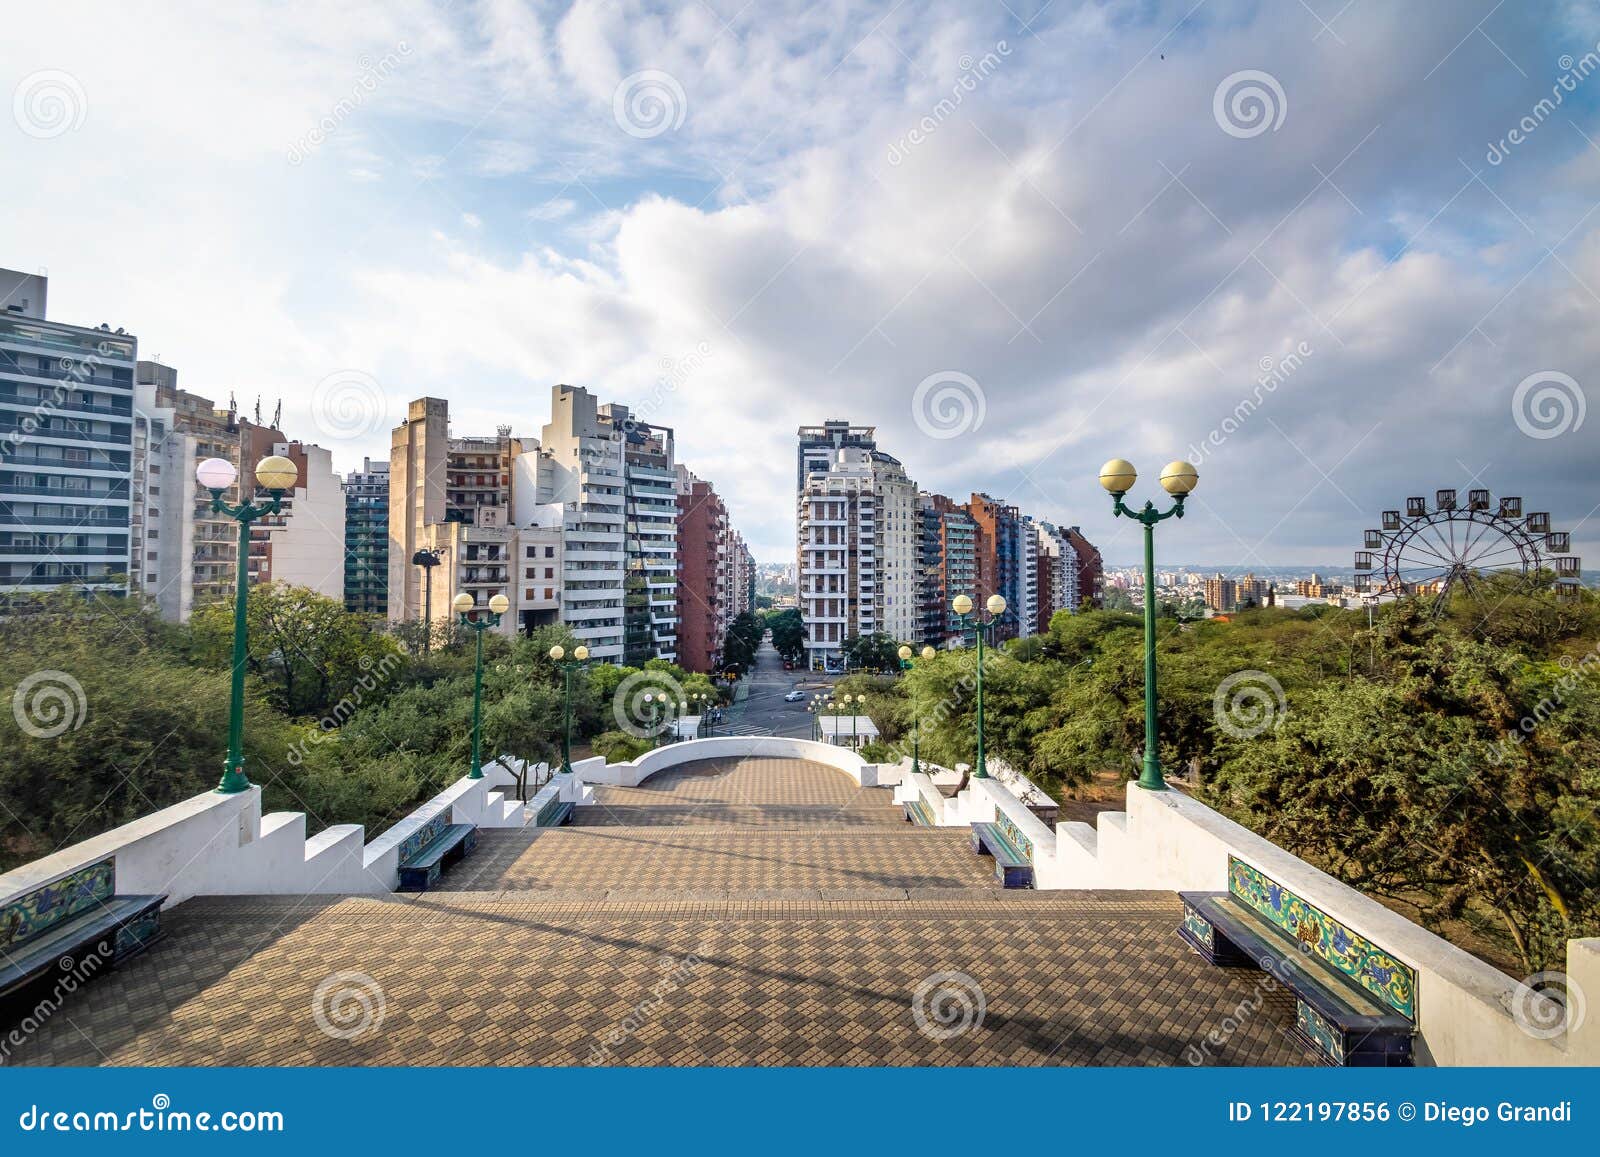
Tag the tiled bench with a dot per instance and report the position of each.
(918, 812)
(75, 927)
(1012, 851)
(553, 814)
(435, 846)
(1354, 1002)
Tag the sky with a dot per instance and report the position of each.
(1335, 253)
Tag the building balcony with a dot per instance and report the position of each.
(64, 405)
(105, 553)
(12, 431)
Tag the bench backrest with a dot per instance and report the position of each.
(33, 912)
(1326, 939)
(1011, 832)
(424, 835)
(551, 806)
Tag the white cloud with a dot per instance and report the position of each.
(1077, 234)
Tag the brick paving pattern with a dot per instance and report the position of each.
(744, 793)
(653, 945)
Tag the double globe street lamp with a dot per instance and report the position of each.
(916, 724)
(996, 606)
(276, 474)
(1177, 479)
(464, 605)
(558, 656)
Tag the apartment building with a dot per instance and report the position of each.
(820, 445)
(1028, 578)
(1091, 569)
(200, 551)
(66, 447)
(1056, 574)
(366, 539)
(650, 541)
(704, 602)
(949, 565)
(1000, 559)
(859, 537)
(744, 576)
(450, 499)
(581, 466)
(304, 541)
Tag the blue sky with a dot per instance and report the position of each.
(1092, 225)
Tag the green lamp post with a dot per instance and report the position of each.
(276, 475)
(656, 702)
(499, 605)
(558, 656)
(854, 703)
(962, 606)
(1177, 479)
(916, 724)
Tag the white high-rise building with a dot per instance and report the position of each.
(580, 466)
(1062, 594)
(450, 501)
(858, 538)
(305, 541)
(650, 602)
(1028, 613)
(66, 447)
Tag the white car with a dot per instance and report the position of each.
(794, 696)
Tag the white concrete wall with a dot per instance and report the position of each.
(597, 771)
(210, 845)
(1168, 841)
(221, 845)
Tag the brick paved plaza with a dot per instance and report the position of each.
(754, 911)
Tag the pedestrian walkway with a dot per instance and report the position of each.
(728, 912)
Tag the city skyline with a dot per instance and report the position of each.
(1278, 275)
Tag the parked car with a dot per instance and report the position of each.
(794, 696)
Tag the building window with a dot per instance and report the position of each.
(549, 552)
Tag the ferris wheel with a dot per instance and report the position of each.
(1449, 546)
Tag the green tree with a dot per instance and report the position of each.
(308, 651)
